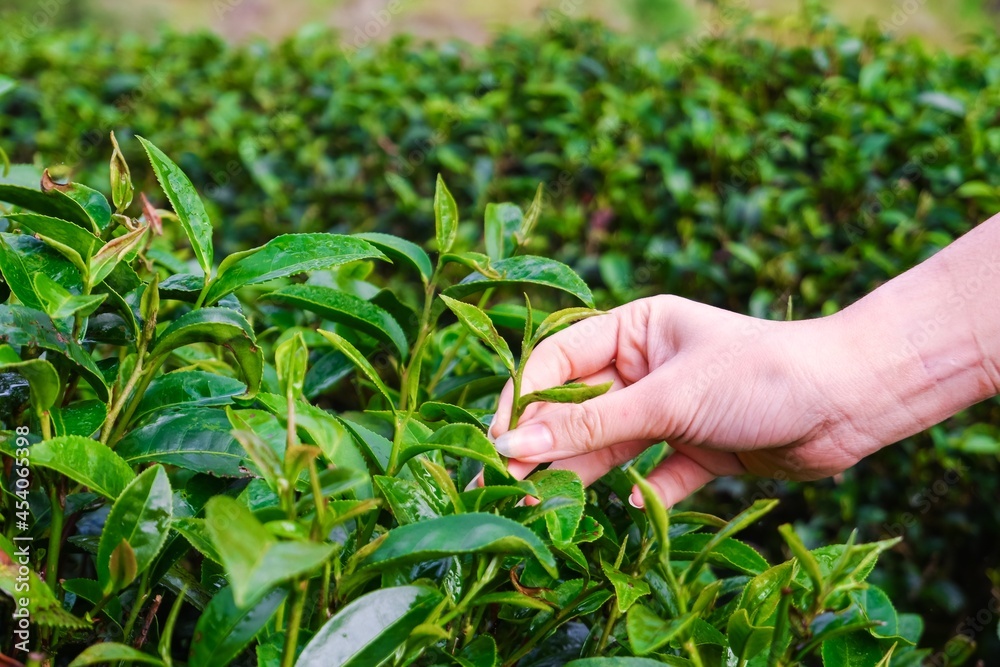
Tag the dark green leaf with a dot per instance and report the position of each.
(727, 553)
(370, 629)
(224, 629)
(401, 249)
(141, 518)
(82, 240)
(288, 255)
(222, 327)
(502, 222)
(188, 388)
(460, 440)
(53, 203)
(530, 270)
(22, 257)
(564, 485)
(344, 309)
(111, 652)
(455, 534)
(85, 461)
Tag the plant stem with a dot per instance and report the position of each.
(452, 352)
(55, 536)
(608, 627)
(140, 599)
(550, 625)
(298, 602)
(140, 376)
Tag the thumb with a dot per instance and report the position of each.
(565, 431)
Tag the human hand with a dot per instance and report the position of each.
(729, 393)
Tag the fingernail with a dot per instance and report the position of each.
(489, 429)
(635, 500)
(525, 441)
(475, 483)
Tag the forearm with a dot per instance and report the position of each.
(929, 340)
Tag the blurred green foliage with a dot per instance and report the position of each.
(728, 169)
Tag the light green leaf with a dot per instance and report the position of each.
(110, 652)
(254, 559)
(574, 392)
(85, 461)
(526, 270)
(501, 224)
(186, 203)
(360, 362)
(648, 632)
(445, 217)
(59, 303)
(479, 324)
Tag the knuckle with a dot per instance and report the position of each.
(590, 426)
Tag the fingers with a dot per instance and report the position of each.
(686, 471)
(575, 352)
(567, 431)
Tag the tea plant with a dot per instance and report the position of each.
(211, 465)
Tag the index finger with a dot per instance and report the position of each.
(579, 350)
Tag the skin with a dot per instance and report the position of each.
(792, 400)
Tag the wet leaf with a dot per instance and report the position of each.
(398, 249)
(225, 629)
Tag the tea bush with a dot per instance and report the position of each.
(734, 170)
(207, 462)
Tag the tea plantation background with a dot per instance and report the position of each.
(741, 163)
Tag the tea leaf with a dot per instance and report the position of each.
(22, 257)
(110, 652)
(727, 553)
(288, 255)
(805, 558)
(562, 318)
(459, 440)
(24, 326)
(192, 438)
(530, 219)
(574, 392)
(115, 251)
(82, 240)
(648, 632)
(628, 589)
(360, 362)
(256, 561)
(141, 518)
(346, 309)
(121, 178)
(565, 485)
(186, 203)
(222, 327)
(85, 461)
(401, 249)
(630, 662)
(455, 534)
(478, 323)
(445, 216)
(526, 270)
(44, 608)
(224, 629)
(59, 304)
(853, 650)
(370, 629)
(502, 222)
(43, 380)
(54, 204)
(291, 358)
(190, 389)
(746, 640)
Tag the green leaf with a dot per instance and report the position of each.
(288, 255)
(435, 411)
(82, 240)
(762, 594)
(119, 250)
(83, 418)
(629, 662)
(628, 589)
(574, 392)
(502, 222)
(90, 200)
(479, 324)
(803, 555)
(455, 534)
(193, 438)
(648, 632)
(526, 270)
(222, 327)
(727, 553)
(22, 257)
(852, 650)
(561, 318)
(745, 518)
(21, 326)
(85, 461)
(291, 358)
(563, 522)
(141, 518)
(190, 389)
(121, 178)
(460, 440)
(59, 303)
(44, 608)
(224, 629)
(530, 220)
(254, 559)
(195, 531)
(186, 203)
(110, 652)
(407, 500)
(745, 639)
(346, 309)
(376, 447)
(402, 250)
(360, 362)
(370, 629)
(43, 380)
(445, 217)
(480, 652)
(54, 203)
